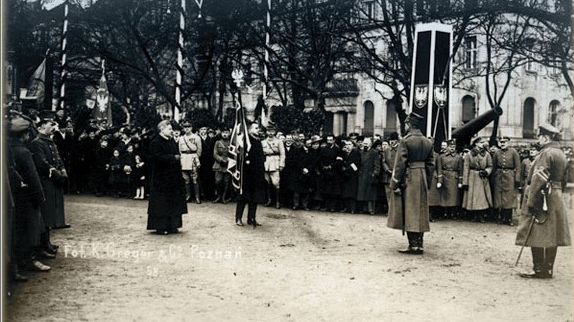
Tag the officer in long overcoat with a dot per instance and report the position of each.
(506, 180)
(52, 174)
(543, 221)
(167, 189)
(414, 166)
(477, 168)
(450, 179)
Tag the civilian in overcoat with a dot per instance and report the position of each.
(369, 172)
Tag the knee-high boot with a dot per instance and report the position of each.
(187, 192)
(268, 203)
(277, 198)
(537, 264)
(549, 258)
(197, 193)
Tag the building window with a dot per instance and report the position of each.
(369, 123)
(553, 112)
(369, 9)
(391, 121)
(470, 52)
(528, 119)
(468, 108)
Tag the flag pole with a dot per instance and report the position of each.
(266, 62)
(179, 67)
(64, 72)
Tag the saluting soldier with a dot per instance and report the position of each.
(414, 166)
(506, 180)
(543, 222)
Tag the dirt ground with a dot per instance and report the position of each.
(298, 266)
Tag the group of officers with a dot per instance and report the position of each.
(403, 178)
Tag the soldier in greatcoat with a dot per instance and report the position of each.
(543, 224)
(435, 209)
(450, 180)
(525, 169)
(388, 164)
(414, 165)
(52, 174)
(477, 198)
(506, 180)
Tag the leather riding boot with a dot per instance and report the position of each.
(549, 258)
(197, 193)
(187, 192)
(414, 248)
(277, 198)
(537, 264)
(224, 194)
(420, 241)
(218, 193)
(268, 203)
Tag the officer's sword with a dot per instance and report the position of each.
(526, 240)
(403, 209)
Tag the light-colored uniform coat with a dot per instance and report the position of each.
(478, 196)
(506, 167)
(450, 168)
(274, 154)
(190, 150)
(413, 168)
(548, 170)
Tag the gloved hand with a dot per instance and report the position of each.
(517, 185)
(438, 185)
(483, 173)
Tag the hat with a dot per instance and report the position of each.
(19, 124)
(46, 116)
(415, 119)
(394, 136)
(353, 135)
(548, 129)
(186, 123)
(450, 142)
(316, 139)
(504, 139)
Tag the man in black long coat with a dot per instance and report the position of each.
(253, 186)
(167, 191)
(330, 166)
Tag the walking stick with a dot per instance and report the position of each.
(403, 209)
(526, 240)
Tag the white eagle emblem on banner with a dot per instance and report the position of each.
(440, 95)
(421, 95)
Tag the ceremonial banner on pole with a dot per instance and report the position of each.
(239, 145)
(36, 85)
(431, 80)
(103, 109)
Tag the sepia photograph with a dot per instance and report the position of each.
(287, 160)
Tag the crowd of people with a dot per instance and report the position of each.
(352, 173)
